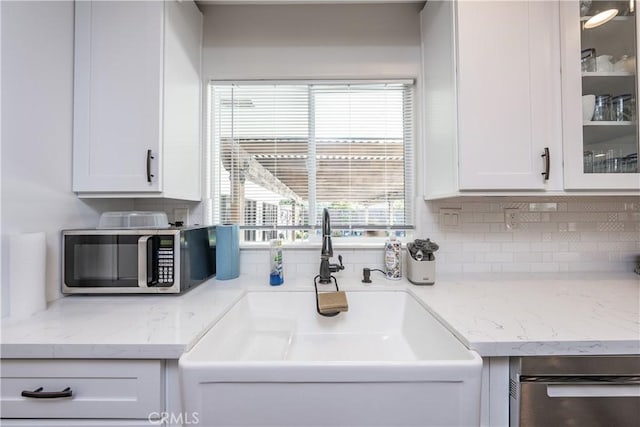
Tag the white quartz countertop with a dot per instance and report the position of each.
(506, 315)
(119, 326)
(540, 314)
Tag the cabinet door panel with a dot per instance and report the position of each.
(118, 95)
(507, 93)
(599, 153)
(100, 388)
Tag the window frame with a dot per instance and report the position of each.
(212, 209)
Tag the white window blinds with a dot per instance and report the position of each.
(283, 152)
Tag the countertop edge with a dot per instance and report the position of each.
(482, 344)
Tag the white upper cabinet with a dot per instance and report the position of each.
(137, 99)
(492, 97)
(600, 86)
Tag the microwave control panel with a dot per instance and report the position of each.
(166, 257)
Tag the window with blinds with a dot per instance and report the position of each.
(282, 152)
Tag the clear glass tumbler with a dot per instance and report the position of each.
(602, 110)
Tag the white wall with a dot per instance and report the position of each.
(304, 42)
(37, 95)
(311, 41)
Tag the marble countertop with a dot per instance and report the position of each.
(119, 326)
(540, 314)
(505, 315)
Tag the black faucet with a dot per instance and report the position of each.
(326, 268)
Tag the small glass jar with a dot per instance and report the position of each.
(630, 163)
(602, 110)
(588, 60)
(588, 161)
(599, 162)
(613, 159)
(622, 108)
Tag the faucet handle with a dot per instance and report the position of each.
(334, 268)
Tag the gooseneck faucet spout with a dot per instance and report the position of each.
(327, 248)
(326, 268)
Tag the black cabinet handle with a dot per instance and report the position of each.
(149, 174)
(547, 163)
(39, 394)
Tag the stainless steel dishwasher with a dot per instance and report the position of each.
(584, 391)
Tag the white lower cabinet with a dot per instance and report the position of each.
(90, 392)
(76, 423)
(133, 393)
(494, 405)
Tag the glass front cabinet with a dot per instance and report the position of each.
(600, 92)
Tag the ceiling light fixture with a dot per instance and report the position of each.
(601, 18)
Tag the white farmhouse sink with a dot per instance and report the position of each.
(273, 361)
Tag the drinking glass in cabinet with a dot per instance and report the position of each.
(622, 108)
(588, 162)
(602, 109)
(588, 60)
(608, 40)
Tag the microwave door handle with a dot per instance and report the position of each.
(142, 261)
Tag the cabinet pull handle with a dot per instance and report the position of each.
(547, 163)
(149, 174)
(39, 394)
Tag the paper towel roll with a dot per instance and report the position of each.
(27, 265)
(227, 251)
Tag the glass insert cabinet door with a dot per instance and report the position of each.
(600, 88)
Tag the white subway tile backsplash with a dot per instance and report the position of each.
(498, 237)
(530, 216)
(531, 257)
(493, 217)
(561, 236)
(545, 246)
(543, 207)
(580, 216)
(477, 247)
(498, 257)
(554, 234)
(545, 267)
(617, 246)
(527, 236)
(583, 246)
(516, 247)
(476, 267)
(567, 256)
(610, 226)
(516, 267)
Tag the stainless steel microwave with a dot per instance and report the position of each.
(162, 261)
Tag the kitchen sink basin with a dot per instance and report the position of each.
(272, 360)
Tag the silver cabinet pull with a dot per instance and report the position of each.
(149, 157)
(547, 163)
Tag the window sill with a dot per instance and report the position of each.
(316, 246)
